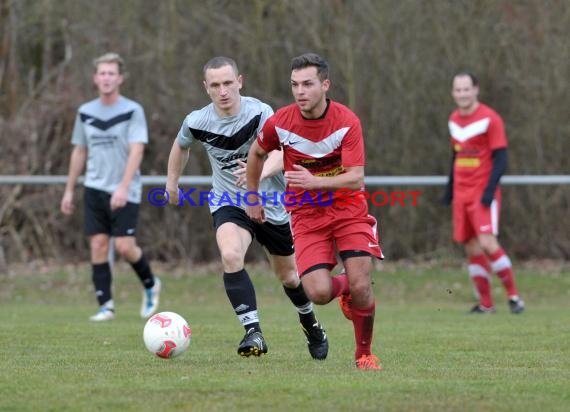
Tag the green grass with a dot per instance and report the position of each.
(435, 358)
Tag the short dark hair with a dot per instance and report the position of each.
(311, 60)
(220, 61)
(467, 73)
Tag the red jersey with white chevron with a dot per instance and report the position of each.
(474, 137)
(324, 146)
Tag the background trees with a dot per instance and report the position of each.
(391, 63)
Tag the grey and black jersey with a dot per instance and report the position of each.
(106, 131)
(228, 139)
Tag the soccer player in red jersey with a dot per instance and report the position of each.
(479, 145)
(323, 151)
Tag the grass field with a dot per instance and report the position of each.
(435, 358)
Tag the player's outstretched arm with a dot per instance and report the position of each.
(499, 168)
(448, 194)
(177, 161)
(255, 162)
(76, 166)
(272, 166)
(120, 195)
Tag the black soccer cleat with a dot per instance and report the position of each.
(481, 310)
(252, 344)
(516, 305)
(317, 341)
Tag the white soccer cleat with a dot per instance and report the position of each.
(103, 315)
(516, 305)
(150, 300)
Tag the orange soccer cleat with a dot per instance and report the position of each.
(368, 362)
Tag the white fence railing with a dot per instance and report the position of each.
(160, 181)
(369, 180)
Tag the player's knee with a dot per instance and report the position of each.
(99, 247)
(289, 278)
(232, 259)
(125, 248)
(361, 290)
(473, 247)
(487, 241)
(318, 296)
(489, 244)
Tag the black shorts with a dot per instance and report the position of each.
(100, 219)
(277, 239)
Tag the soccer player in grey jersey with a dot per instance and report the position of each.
(109, 135)
(226, 128)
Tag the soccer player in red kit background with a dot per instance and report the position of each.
(479, 144)
(323, 151)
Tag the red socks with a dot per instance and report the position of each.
(339, 285)
(479, 270)
(501, 265)
(363, 320)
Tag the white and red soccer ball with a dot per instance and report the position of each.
(167, 335)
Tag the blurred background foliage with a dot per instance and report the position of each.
(392, 63)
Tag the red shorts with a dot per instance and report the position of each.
(320, 232)
(471, 218)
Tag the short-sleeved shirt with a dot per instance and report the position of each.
(227, 140)
(106, 131)
(324, 146)
(474, 137)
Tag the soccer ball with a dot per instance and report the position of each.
(167, 335)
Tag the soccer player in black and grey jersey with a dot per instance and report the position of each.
(109, 136)
(226, 128)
